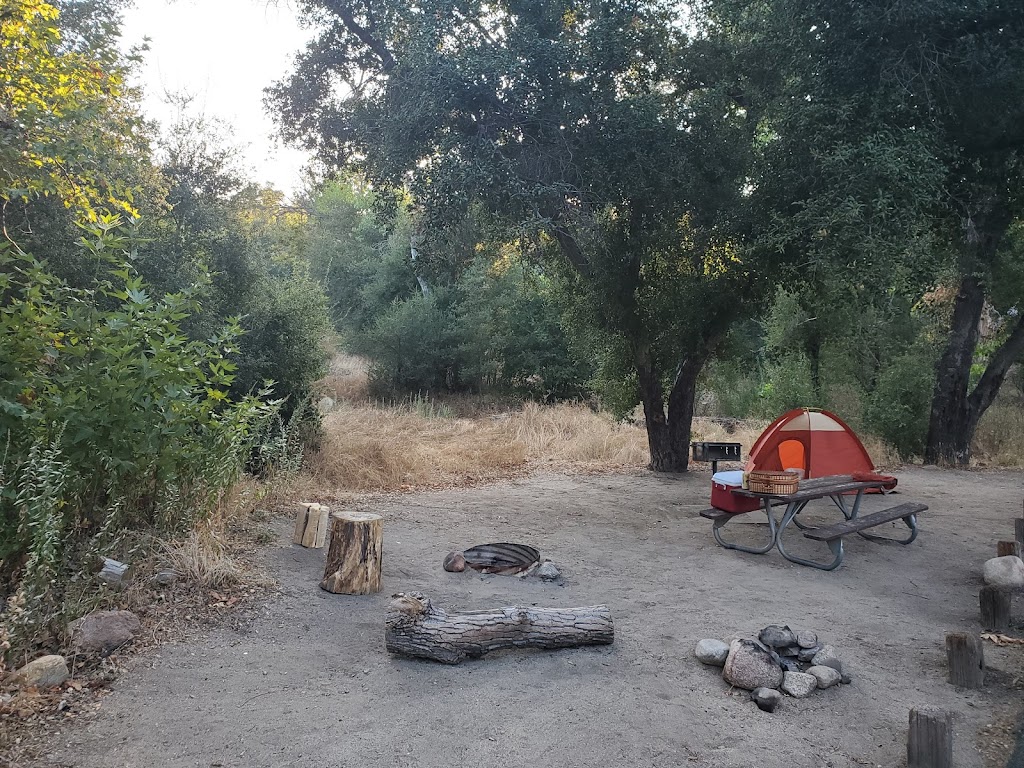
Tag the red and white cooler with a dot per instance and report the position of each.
(722, 497)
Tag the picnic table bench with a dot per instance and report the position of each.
(836, 488)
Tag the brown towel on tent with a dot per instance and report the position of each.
(874, 477)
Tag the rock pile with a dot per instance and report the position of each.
(795, 663)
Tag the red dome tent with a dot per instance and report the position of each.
(816, 441)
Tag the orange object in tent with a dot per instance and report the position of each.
(818, 442)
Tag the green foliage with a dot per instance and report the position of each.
(899, 406)
(66, 120)
(111, 417)
(413, 346)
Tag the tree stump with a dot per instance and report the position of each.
(414, 627)
(355, 555)
(995, 608)
(930, 740)
(966, 660)
(311, 523)
(1007, 549)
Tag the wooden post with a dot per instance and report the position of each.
(355, 555)
(966, 660)
(1007, 549)
(311, 523)
(414, 627)
(995, 608)
(930, 739)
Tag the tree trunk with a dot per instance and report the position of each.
(354, 558)
(669, 435)
(414, 627)
(955, 411)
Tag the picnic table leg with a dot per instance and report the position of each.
(720, 523)
(836, 545)
(910, 521)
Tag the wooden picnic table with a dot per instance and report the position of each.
(837, 488)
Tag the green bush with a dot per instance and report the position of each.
(111, 419)
(899, 406)
(413, 346)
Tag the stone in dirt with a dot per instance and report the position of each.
(836, 664)
(713, 652)
(806, 639)
(799, 685)
(767, 699)
(806, 654)
(777, 637)
(749, 666)
(44, 672)
(163, 579)
(826, 676)
(1006, 572)
(792, 651)
(826, 653)
(548, 571)
(455, 562)
(104, 632)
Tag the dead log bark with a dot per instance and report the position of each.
(414, 627)
(995, 606)
(355, 555)
(1007, 549)
(930, 740)
(966, 660)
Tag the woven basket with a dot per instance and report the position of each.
(760, 481)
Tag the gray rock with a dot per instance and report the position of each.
(112, 572)
(806, 654)
(44, 672)
(325, 405)
(792, 651)
(846, 680)
(806, 639)
(1006, 572)
(777, 637)
(826, 676)
(104, 631)
(826, 652)
(163, 579)
(767, 699)
(749, 666)
(713, 652)
(836, 664)
(799, 685)
(548, 571)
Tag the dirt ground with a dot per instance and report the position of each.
(309, 683)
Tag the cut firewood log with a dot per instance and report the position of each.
(311, 525)
(355, 554)
(323, 526)
(414, 627)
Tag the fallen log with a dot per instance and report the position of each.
(414, 627)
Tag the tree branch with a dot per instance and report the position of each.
(365, 36)
(988, 386)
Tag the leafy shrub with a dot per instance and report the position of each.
(110, 417)
(899, 406)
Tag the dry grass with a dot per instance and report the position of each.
(999, 440)
(369, 448)
(346, 379)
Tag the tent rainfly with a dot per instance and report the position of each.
(812, 440)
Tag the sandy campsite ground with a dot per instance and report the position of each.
(309, 683)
